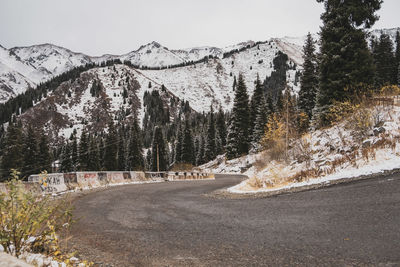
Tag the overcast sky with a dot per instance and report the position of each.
(97, 27)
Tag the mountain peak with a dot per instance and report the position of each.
(149, 46)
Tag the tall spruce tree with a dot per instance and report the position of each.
(74, 152)
(66, 161)
(345, 63)
(135, 151)
(221, 128)
(93, 155)
(31, 164)
(83, 151)
(121, 156)
(255, 102)
(159, 152)
(44, 156)
(210, 147)
(187, 145)
(13, 150)
(261, 120)
(111, 149)
(238, 134)
(385, 61)
(200, 153)
(397, 49)
(178, 145)
(309, 78)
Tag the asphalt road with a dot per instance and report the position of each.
(176, 224)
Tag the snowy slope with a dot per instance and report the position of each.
(21, 67)
(50, 59)
(211, 82)
(72, 106)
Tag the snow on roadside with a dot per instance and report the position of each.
(333, 154)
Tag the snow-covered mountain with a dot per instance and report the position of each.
(23, 67)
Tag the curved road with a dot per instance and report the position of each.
(176, 224)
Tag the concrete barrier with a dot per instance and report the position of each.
(88, 179)
(50, 183)
(138, 176)
(60, 182)
(115, 177)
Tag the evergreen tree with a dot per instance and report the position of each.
(210, 147)
(187, 145)
(74, 152)
(111, 149)
(309, 78)
(254, 103)
(234, 83)
(397, 50)
(398, 75)
(178, 145)
(159, 151)
(102, 154)
(83, 151)
(121, 152)
(345, 61)
(200, 154)
(261, 121)
(149, 159)
(66, 161)
(238, 134)
(44, 156)
(221, 127)
(13, 150)
(385, 62)
(135, 152)
(93, 156)
(30, 156)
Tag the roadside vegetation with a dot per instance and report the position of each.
(32, 223)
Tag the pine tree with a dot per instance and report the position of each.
(83, 151)
(200, 154)
(66, 161)
(149, 159)
(159, 151)
(385, 62)
(178, 145)
(234, 83)
(238, 134)
(309, 78)
(221, 128)
(102, 154)
(261, 121)
(74, 152)
(31, 164)
(232, 142)
(398, 75)
(345, 61)
(255, 102)
(44, 157)
(135, 151)
(93, 156)
(397, 50)
(111, 149)
(13, 150)
(210, 147)
(187, 145)
(121, 152)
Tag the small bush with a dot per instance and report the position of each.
(339, 111)
(273, 137)
(390, 90)
(25, 216)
